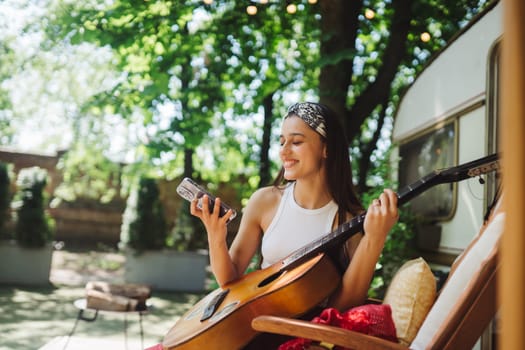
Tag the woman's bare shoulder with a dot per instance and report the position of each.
(263, 205)
(267, 195)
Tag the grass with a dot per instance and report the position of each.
(32, 316)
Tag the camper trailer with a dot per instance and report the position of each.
(447, 117)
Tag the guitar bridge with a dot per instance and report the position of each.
(214, 303)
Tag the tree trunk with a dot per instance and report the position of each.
(366, 150)
(264, 167)
(188, 162)
(339, 23)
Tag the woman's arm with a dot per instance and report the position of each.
(228, 265)
(382, 214)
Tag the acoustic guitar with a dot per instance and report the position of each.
(292, 286)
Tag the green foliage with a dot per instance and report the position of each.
(33, 227)
(87, 173)
(189, 233)
(399, 243)
(166, 61)
(7, 70)
(195, 61)
(143, 223)
(5, 198)
(195, 71)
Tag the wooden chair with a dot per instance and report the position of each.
(460, 314)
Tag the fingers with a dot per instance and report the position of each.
(217, 207)
(199, 207)
(217, 211)
(389, 200)
(193, 208)
(205, 203)
(385, 205)
(205, 213)
(392, 197)
(381, 215)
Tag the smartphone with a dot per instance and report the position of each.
(190, 190)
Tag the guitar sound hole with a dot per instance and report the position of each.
(270, 279)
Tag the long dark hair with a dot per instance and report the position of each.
(338, 166)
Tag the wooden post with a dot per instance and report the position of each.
(512, 281)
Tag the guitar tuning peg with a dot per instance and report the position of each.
(481, 180)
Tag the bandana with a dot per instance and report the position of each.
(311, 114)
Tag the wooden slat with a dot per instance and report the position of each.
(512, 282)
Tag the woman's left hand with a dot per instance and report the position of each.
(382, 214)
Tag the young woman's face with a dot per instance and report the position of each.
(302, 150)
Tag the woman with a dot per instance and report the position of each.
(312, 195)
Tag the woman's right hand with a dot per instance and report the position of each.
(215, 225)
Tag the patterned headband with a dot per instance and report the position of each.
(311, 114)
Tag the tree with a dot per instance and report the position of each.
(144, 224)
(186, 62)
(357, 56)
(6, 58)
(33, 225)
(370, 51)
(165, 62)
(5, 199)
(266, 59)
(9, 66)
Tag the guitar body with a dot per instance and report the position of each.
(288, 293)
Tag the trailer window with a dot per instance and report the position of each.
(431, 151)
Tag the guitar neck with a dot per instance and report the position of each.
(348, 229)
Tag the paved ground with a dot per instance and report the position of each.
(42, 318)
(76, 268)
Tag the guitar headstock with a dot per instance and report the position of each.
(454, 174)
(471, 169)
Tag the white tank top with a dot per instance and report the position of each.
(293, 227)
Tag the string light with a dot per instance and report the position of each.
(291, 8)
(251, 10)
(207, 2)
(425, 37)
(369, 14)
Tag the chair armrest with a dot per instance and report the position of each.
(373, 301)
(323, 333)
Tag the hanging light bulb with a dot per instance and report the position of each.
(369, 14)
(251, 10)
(425, 37)
(291, 8)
